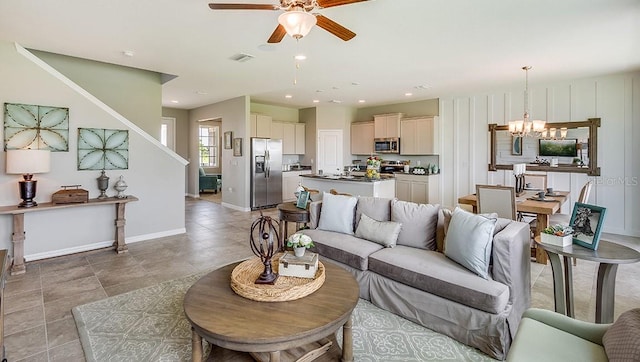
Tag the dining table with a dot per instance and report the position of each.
(529, 202)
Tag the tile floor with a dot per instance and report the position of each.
(38, 321)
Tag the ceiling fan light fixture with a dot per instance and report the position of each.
(297, 23)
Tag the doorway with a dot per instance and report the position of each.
(330, 155)
(168, 132)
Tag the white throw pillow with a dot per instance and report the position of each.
(469, 240)
(337, 213)
(384, 233)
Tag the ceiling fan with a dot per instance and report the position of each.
(298, 17)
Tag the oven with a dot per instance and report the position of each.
(387, 145)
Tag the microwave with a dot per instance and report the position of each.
(386, 145)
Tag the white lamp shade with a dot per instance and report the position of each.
(28, 161)
(297, 23)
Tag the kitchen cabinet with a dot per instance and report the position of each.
(417, 136)
(417, 188)
(362, 134)
(290, 181)
(387, 125)
(288, 138)
(301, 135)
(277, 130)
(260, 125)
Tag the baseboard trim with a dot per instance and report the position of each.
(101, 245)
(235, 207)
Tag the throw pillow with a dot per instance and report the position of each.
(337, 213)
(468, 241)
(384, 233)
(419, 223)
(622, 340)
(446, 216)
(377, 208)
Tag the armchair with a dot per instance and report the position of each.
(207, 182)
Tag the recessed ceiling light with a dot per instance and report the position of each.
(300, 57)
(361, 101)
(174, 101)
(128, 53)
(316, 101)
(288, 96)
(408, 94)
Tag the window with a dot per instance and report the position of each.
(163, 134)
(209, 146)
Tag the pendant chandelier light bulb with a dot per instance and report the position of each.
(526, 127)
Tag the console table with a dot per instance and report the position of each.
(17, 237)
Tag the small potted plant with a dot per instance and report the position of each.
(299, 242)
(558, 235)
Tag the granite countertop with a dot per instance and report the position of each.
(298, 168)
(349, 178)
(416, 174)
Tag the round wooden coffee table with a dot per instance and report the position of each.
(230, 321)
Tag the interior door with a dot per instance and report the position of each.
(168, 132)
(330, 155)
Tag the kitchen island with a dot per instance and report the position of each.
(354, 185)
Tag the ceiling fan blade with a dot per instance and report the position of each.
(277, 35)
(243, 7)
(331, 3)
(334, 28)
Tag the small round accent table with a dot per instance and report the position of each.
(227, 320)
(609, 255)
(288, 212)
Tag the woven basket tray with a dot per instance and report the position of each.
(244, 275)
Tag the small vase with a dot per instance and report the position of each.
(120, 186)
(299, 252)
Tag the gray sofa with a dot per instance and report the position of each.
(416, 280)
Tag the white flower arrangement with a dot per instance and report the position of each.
(299, 240)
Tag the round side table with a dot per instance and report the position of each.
(288, 212)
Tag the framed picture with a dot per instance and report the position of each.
(516, 146)
(228, 136)
(587, 221)
(237, 146)
(303, 198)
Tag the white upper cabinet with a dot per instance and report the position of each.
(362, 134)
(301, 135)
(387, 125)
(417, 136)
(260, 125)
(288, 138)
(292, 136)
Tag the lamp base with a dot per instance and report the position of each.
(28, 193)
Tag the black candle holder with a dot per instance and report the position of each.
(519, 184)
(265, 242)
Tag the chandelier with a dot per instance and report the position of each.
(526, 127)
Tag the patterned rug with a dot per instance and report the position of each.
(149, 325)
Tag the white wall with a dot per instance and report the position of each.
(155, 176)
(464, 140)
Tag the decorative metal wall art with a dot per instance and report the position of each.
(103, 149)
(36, 127)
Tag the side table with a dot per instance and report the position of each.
(609, 255)
(288, 212)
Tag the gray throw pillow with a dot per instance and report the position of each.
(419, 223)
(377, 208)
(384, 233)
(337, 213)
(469, 240)
(622, 340)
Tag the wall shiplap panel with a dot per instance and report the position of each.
(615, 99)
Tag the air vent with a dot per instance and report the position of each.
(335, 101)
(242, 57)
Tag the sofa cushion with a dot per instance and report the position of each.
(337, 213)
(384, 233)
(468, 241)
(436, 274)
(419, 222)
(622, 340)
(344, 248)
(377, 208)
(444, 217)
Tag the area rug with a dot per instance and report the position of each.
(149, 325)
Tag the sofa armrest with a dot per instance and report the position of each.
(314, 213)
(512, 266)
(590, 331)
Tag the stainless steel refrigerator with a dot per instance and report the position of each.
(266, 172)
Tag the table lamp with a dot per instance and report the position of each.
(27, 162)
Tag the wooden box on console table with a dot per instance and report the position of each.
(301, 267)
(70, 196)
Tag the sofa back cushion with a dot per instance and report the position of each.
(384, 233)
(377, 208)
(468, 241)
(622, 340)
(419, 222)
(337, 213)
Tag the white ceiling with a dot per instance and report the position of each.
(449, 46)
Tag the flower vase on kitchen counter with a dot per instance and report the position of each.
(373, 168)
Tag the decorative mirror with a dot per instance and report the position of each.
(567, 147)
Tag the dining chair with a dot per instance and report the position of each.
(498, 199)
(335, 192)
(565, 219)
(537, 181)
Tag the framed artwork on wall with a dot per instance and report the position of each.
(516, 146)
(237, 147)
(587, 221)
(228, 136)
(36, 127)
